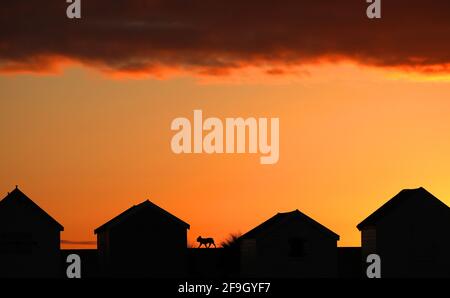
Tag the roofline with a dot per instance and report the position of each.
(109, 222)
(296, 211)
(336, 236)
(60, 226)
(365, 223)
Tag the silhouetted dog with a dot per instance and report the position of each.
(207, 242)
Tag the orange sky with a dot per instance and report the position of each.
(86, 146)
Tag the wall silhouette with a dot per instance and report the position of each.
(409, 233)
(29, 239)
(143, 241)
(289, 245)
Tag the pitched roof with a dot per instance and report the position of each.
(18, 197)
(146, 205)
(282, 217)
(398, 200)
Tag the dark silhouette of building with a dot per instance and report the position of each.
(29, 239)
(89, 262)
(349, 262)
(410, 233)
(289, 245)
(206, 263)
(143, 241)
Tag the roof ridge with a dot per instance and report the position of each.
(137, 208)
(280, 217)
(17, 194)
(395, 200)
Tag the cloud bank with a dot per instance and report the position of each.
(216, 37)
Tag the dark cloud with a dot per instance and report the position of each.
(213, 37)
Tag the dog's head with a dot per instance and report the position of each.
(199, 238)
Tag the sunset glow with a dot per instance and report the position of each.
(86, 110)
(86, 147)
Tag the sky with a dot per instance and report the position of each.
(86, 107)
